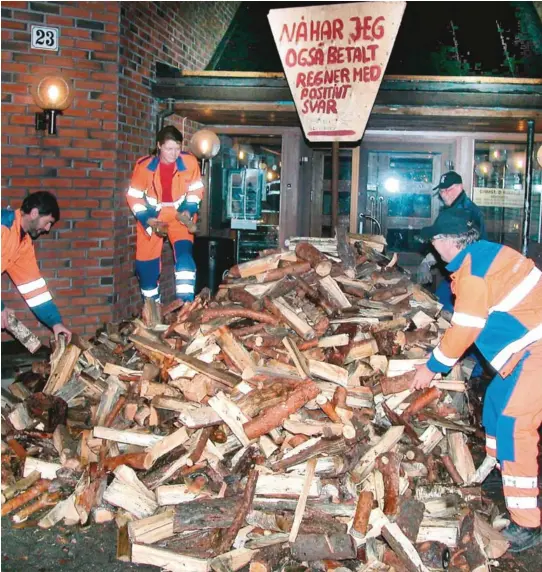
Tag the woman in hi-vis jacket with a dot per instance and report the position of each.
(165, 194)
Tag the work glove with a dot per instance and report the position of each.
(423, 274)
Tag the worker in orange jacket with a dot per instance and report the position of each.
(164, 188)
(37, 215)
(498, 306)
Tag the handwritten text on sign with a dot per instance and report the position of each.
(334, 58)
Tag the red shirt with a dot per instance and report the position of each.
(166, 179)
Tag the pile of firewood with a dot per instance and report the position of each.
(270, 424)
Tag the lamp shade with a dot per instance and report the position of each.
(484, 169)
(52, 92)
(516, 162)
(204, 144)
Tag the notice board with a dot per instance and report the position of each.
(334, 57)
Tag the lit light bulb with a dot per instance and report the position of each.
(241, 154)
(53, 92)
(270, 175)
(391, 185)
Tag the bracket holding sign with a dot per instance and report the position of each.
(334, 58)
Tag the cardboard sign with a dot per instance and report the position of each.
(502, 198)
(334, 58)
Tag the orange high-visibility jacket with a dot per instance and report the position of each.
(498, 306)
(19, 261)
(145, 193)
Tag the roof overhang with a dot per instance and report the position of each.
(420, 103)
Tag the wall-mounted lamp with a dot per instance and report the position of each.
(484, 169)
(205, 145)
(53, 93)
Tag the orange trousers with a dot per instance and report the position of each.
(149, 253)
(512, 416)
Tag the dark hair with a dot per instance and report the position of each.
(44, 201)
(169, 133)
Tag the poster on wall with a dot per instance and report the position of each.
(501, 198)
(334, 57)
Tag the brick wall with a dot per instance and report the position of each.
(78, 165)
(181, 34)
(109, 49)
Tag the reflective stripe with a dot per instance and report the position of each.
(184, 289)
(135, 193)
(467, 320)
(152, 201)
(193, 199)
(185, 275)
(168, 204)
(39, 299)
(148, 230)
(149, 293)
(519, 293)
(491, 442)
(520, 482)
(521, 502)
(505, 354)
(195, 186)
(31, 286)
(439, 356)
(139, 208)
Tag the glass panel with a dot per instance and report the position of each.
(245, 193)
(499, 178)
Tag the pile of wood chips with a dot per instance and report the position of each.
(268, 426)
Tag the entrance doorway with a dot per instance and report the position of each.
(396, 197)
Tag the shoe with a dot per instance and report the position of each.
(521, 538)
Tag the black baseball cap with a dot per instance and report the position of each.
(448, 179)
(449, 221)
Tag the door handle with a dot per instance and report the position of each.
(380, 212)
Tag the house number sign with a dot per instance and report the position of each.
(44, 38)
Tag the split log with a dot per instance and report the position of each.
(470, 544)
(434, 555)
(241, 296)
(20, 417)
(234, 418)
(361, 350)
(397, 384)
(127, 497)
(482, 472)
(133, 460)
(22, 334)
(461, 456)
(153, 528)
(302, 502)
(274, 416)
(258, 265)
(293, 320)
(127, 436)
(334, 295)
(329, 372)
(173, 494)
(233, 349)
(410, 517)
(321, 264)
(367, 462)
(45, 469)
(124, 549)
(164, 446)
(63, 370)
(226, 378)
(166, 559)
(63, 510)
(233, 560)
(402, 546)
(452, 471)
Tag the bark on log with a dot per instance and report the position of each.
(35, 491)
(389, 465)
(274, 416)
(45, 500)
(211, 513)
(246, 299)
(397, 384)
(410, 518)
(312, 547)
(21, 333)
(363, 511)
(421, 401)
(295, 269)
(321, 264)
